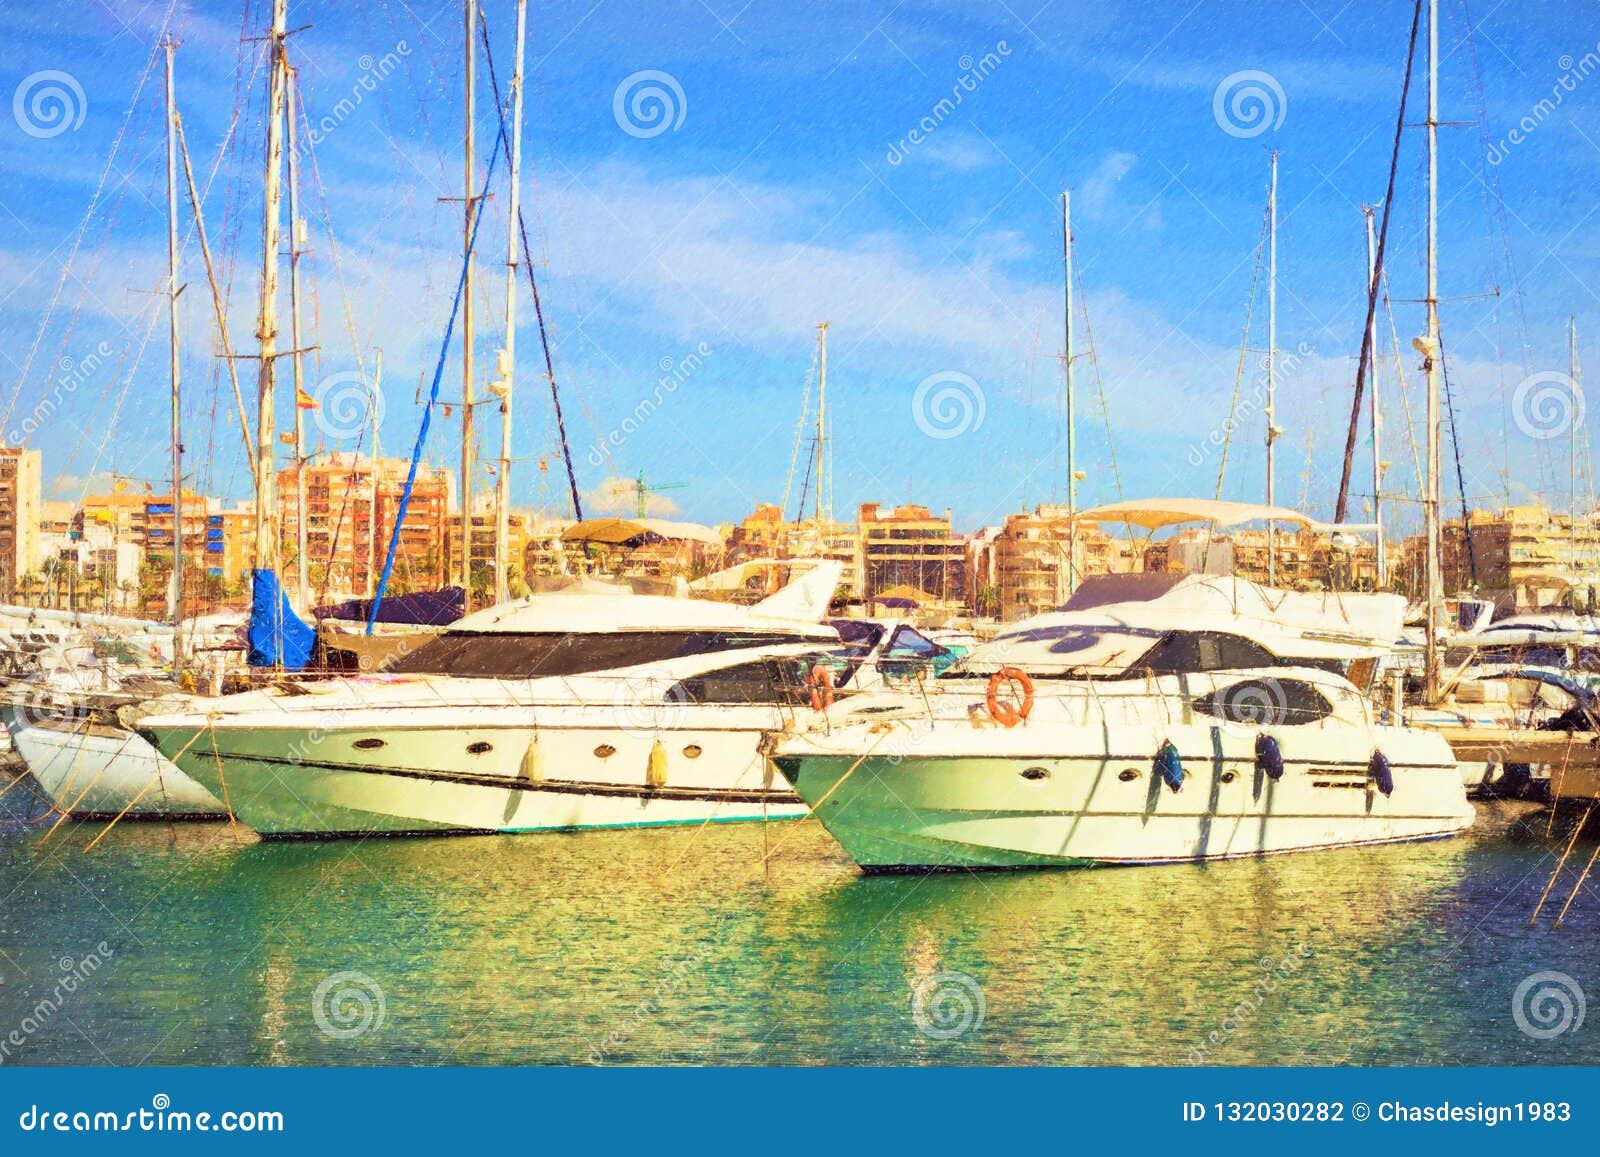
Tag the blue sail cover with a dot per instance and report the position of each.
(278, 637)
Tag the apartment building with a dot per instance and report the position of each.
(21, 508)
(910, 549)
(352, 502)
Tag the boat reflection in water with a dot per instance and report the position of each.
(632, 947)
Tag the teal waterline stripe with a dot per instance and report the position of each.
(651, 824)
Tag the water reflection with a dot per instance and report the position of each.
(676, 946)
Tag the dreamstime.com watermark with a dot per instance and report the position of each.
(1573, 73)
(1548, 404)
(72, 976)
(1249, 103)
(948, 404)
(347, 1005)
(346, 405)
(948, 1005)
(373, 71)
(648, 103)
(1273, 973)
(48, 103)
(1253, 403)
(674, 373)
(1547, 1005)
(672, 981)
(70, 374)
(160, 1117)
(974, 71)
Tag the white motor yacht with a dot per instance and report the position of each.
(559, 712)
(1158, 718)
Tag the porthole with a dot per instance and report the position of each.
(1035, 774)
(605, 751)
(1128, 774)
(479, 747)
(1229, 776)
(692, 751)
(369, 744)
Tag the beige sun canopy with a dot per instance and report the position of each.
(1157, 513)
(622, 531)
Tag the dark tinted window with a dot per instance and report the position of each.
(1186, 652)
(527, 656)
(764, 681)
(1267, 702)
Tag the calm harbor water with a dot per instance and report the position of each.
(199, 945)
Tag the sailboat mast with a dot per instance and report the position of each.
(1072, 426)
(1272, 362)
(1380, 563)
(823, 511)
(502, 515)
(302, 585)
(468, 144)
(374, 409)
(1572, 447)
(266, 544)
(1431, 367)
(172, 332)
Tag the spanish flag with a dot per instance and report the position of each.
(304, 400)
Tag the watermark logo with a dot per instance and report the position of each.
(948, 404)
(1547, 405)
(948, 1005)
(974, 71)
(347, 1005)
(648, 103)
(1548, 1004)
(675, 372)
(49, 103)
(648, 702)
(346, 404)
(1573, 73)
(1249, 103)
(1259, 701)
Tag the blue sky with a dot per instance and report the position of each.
(806, 170)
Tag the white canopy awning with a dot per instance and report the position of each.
(1156, 513)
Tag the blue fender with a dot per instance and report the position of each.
(1381, 773)
(1269, 758)
(1169, 766)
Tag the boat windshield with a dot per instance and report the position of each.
(1094, 651)
(539, 655)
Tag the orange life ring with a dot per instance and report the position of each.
(1006, 713)
(821, 683)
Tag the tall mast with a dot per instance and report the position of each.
(1381, 575)
(267, 545)
(1572, 375)
(296, 228)
(1431, 355)
(1272, 362)
(471, 206)
(824, 505)
(172, 332)
(374, 409)
(1072, 427)
(502, 514)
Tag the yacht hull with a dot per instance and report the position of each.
(921, 813)
(93, 771)
(481, 778)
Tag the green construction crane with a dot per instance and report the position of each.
(643, 491)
